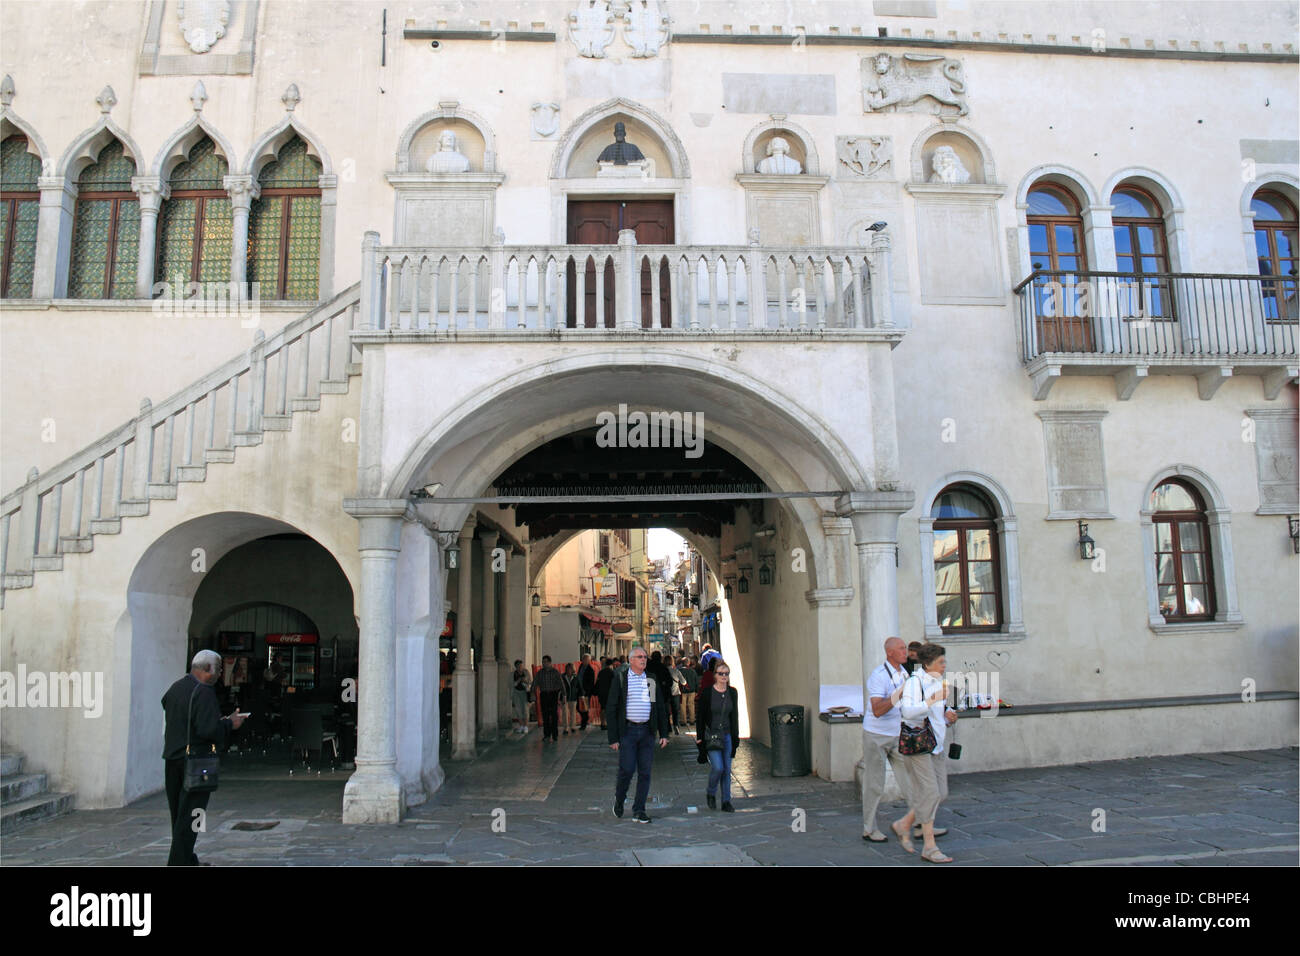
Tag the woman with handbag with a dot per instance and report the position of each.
(923, 705)
(717, 731)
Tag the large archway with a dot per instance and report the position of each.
(168, 587)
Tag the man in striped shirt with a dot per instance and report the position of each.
(635, 712)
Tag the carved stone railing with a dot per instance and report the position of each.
(624, 287)
(59, 511)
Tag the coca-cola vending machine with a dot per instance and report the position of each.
(298, 657)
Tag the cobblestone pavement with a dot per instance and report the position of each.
(551, 803)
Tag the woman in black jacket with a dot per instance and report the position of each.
(717, 727)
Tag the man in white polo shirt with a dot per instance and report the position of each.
(880, 729)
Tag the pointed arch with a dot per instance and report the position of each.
(268, 146)
(603, 111)
(179, 144)
(85, 149)
(12, 124)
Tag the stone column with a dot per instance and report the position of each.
(374, 793)
(54, 237)
(505, 665)
(242, 191)
(152, 191)
(875, 533)
(487, 666)
(462, 679)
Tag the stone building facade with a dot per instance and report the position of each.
(945, 283)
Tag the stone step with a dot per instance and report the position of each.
(306, 404)
(277, 423)
(334, 387)
(11, 763)
(16, 787)
(40, 807)
(19, 579)
(47, 562)
(76, 544)
(191, 472)
(225, 456)
(106, 526)
(247, 439)
(132, 508)
(162, 490)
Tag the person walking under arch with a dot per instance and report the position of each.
(717, 730)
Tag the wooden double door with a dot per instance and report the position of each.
(598, 222)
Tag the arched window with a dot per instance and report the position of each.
(106, 229)
(1141, 249)
(966, 562)
(1275, 250)
(196, 225)
(1184, 576)
(1056, 246)
(284, 226)
(20, 207)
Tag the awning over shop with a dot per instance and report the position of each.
(596, 622)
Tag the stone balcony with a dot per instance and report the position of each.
(623, 291)
(1133, 326)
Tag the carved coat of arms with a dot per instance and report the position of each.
(203, 22)
(646, 28)
(891, 83)
(591, 27)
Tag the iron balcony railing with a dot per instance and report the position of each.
(1157, 314)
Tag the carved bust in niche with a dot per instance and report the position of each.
(948, 167)
(779, 162)
(620, 152)
(447, 159)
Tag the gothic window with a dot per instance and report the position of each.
(966, 563)
(195, 226)
(1275, 250)
(1141, 249)
(284, 226)
(1184, 576)
(105, 229)
(20, 206)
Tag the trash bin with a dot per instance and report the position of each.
(789, 746)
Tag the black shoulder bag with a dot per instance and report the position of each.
(200, 768)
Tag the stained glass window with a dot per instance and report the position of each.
(284, 226)
(20, 206)
(105, 229)
(196, 225)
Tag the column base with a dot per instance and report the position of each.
(373, 795)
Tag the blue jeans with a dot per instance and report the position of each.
(636, 751)
(720, 769)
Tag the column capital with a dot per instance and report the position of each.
(242, 190)
(59, 185)
(489, 538)
(152, 191)
(875, 514)
(467, 530)
(381, 521)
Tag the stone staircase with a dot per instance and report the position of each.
(61, 511)
(24, 797)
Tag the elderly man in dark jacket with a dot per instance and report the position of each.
(637, 711)
(190, 707)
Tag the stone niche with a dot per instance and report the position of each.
(785, 207)
(958, 249)
(445, 208)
